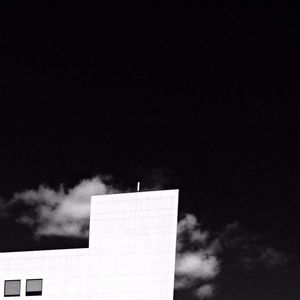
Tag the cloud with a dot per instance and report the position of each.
(261, 255)
(248, 251)
(201, 252)
(272, 257)
(205, 291)
(197, 257)
(197, 265)
(62, 212)
(189, 232)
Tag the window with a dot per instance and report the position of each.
(12, 288)
(34, 287)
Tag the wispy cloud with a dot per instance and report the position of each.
(249, 251)
(272, 257)
(62, 212)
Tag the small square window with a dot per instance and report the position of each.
(12, 288)
(34, 287)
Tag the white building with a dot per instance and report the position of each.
(131, 255)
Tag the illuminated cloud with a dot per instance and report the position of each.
(196, 260)
(197, 265)
(205, 291)
(59, 212)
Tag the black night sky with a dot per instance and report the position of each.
(196, 95)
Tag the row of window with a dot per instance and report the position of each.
(12, 288)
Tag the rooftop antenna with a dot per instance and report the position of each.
(138, 186)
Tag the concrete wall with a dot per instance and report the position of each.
(131, 254)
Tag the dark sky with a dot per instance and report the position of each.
(200, 95)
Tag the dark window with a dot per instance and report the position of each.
(12, 288)
(34, 287)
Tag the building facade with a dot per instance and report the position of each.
(131, 255)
